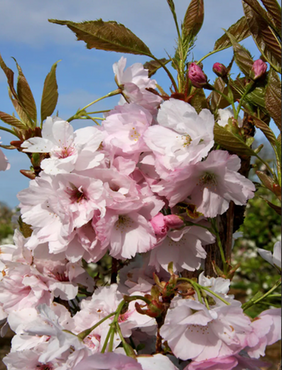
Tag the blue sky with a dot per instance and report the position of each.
(84, 75)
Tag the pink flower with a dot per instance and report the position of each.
(108, 361)
(124, 128)
(127, 233)
(235, 362)
(55, 206)
(266, 331)
(197, 76)
(134, 82)
(210, 184)
(68, 150)
(182, 247)
(182, 137)
(194, 332)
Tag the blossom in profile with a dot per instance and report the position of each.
(225, 114)
(4, 164)
(266, 331)
(134, 82)
(273, 258)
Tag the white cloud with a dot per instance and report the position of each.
(26, 21)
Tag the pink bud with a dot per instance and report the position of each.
(197, 76)
(159, 225)
(220, 69)
(259, 68)
(173, 221)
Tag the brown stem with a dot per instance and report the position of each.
(114, 270)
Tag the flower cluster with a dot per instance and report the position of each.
(144, 188)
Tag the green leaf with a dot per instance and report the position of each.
(231, 142)
(274, 11)
(256, 96)
(273, 97)
(10, 76)
(263, 35)
(110, 36)
(266, 130)
(215, 98)
(11, 120)
(199, 100)
(193, 19)
(19, 109)
(276, 208)
(25, 95)
(238, 30)
(50, 94)
(13, 94)
(242, 56)
(153, 65)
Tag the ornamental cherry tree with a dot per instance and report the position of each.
(122, 258)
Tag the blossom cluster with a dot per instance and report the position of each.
(121, 188)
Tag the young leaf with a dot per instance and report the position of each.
(10, 76)
(193, 19)
(242, 56)
(215, 97)
(11, 120)
(263, 35)
(231, 142)
(273, 97)
(266, 130)
(110, 36)
(153, 65)
(239, 30)
(274, 11)
(25, 95)
(20, 110)
(50, 94)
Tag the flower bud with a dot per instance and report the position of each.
(258, 69)
(159, 225)
(220, 70)
(197, 76)
(173, 221)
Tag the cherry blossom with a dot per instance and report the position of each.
(182, 136)
(68, 150)
(194, 332)
(134, 82)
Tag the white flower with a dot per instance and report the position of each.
(275, 258)
(68, 150)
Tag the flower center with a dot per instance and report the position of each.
(208, 180)
(123, 223)
(47, 366)
(77, 195)
(134, 134)
(186, 140)
(64, 152)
